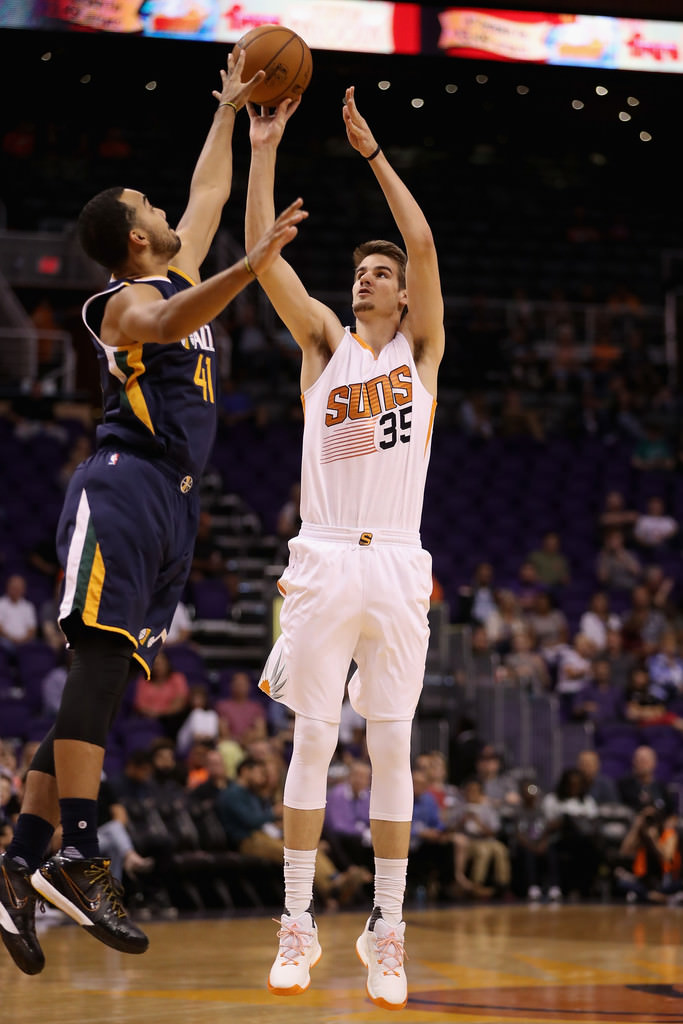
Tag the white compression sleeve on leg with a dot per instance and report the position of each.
(314, 744)
(391, 793)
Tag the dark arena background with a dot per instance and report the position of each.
(553, 512)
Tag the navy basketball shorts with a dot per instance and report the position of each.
(125, 539)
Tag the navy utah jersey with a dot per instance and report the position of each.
(159, 400)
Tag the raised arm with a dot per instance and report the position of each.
(312, 324)
(212, 176)
(423, 324)
(137, 313)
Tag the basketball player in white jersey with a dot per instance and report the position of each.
(358, 582)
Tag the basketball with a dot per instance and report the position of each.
(285, 58)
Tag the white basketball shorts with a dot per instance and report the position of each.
(352, 595)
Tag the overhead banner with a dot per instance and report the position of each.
(580, 40)
(376, 26)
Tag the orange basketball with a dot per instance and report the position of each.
(285, 58)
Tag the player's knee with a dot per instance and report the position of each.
(314, 742)
(94, 687)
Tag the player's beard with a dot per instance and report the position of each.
(167, 244)
(363, 306)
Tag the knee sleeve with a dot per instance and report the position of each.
(94, 687)
(44, 758)
(391, 793)
(314, 744)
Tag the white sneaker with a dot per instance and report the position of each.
(380, 949)
(534, 893)
(299, 951)
(555, 894)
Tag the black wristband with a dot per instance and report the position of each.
(374, 153)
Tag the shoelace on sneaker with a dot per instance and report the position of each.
(385, 956)
(293, 941)
(113, 889)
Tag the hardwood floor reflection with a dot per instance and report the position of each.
(476, 964)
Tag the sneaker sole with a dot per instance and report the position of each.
(15, 946)
(296, 990)
(378, 1001)
(54, 896)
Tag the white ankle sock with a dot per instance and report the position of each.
(299, 872)
(390, 887)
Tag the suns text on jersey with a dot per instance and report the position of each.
(369, 397)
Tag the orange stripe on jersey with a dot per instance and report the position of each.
(364, 344)
(431, 425)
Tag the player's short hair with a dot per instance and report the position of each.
(384, 248)
(103, 227)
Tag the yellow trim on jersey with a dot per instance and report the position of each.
(181, 273)
(144, 664)
(364, 344)
(431, 424)
(95, 583)
(132, 388)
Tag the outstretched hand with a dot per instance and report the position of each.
(268, 127)
(234, 90)
(269, 246)
(357, 128)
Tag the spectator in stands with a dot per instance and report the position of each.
(448, 797)
(660, 587)
(498, 786)
(434, 850)
(653, 451)
(504, 621)
(242, 717)
(547, 622)
(641, 789)
(617, 568)
(533, 855)
(517, 420)
(481, 664)
(113, 835)
(620, 660)
(600, 787)
(347, 817)
(216, 778)
(644, 626)
(463, 749)
(253, 826)
(551, 565)
(18, 616)
(665, 668)
(196, 770)
(479, 821)
(574, 668)
(477, 600)
(640, 705)
(651, 846)
(164, 696)
(571, 814)
(526, 586)
(616, 516)
(525, 666)
(600, 700)
(202, 722)
(598, 619)
(475, 416)
(52, 685)
(654, 530)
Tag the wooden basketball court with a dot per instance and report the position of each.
(493, 964)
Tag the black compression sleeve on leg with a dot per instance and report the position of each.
(44, 758)
(94, 687)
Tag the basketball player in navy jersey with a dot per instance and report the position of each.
(358, 582)
(127, 528)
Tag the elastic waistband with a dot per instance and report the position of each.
(364, 538)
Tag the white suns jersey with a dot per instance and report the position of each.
(367, 439)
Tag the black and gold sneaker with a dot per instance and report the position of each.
(18, 916)
(87, 891)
